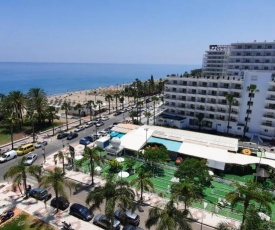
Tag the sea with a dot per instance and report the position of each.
(58, 78)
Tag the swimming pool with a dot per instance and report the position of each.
(170, 145)
(116, 134)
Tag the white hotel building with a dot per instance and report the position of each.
(227, 69)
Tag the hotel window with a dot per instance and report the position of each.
(193, 99)
(251, 95)
(173, 103)
(269, 47)
(238, 54)
(258, 54)
(259, 47)
(211, 116)
(194, 83)
(175, 82)
(265, 68)
(191, 114)
(238, 60)
(250, 102)
(267, 54)
(174, 89)
(257, 61)
(256, 67)
(248, 111)
(194, 91)
(266, 130)
(267, 61)
(173, 96)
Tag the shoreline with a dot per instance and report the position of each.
(82, 96)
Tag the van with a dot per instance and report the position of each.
(25, 149)
(8, 156)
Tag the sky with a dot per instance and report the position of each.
(128, 31)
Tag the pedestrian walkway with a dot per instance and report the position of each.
(11, 199)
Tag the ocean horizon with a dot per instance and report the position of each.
(57, 78)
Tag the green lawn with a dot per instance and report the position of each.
(25, 222)
(217, 191)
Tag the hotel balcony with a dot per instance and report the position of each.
(266, 124)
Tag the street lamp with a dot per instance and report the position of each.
(43, 153)
(258, 167)
(146, 130)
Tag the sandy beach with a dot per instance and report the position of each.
(84, 96)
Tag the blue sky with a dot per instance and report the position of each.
(128, 31)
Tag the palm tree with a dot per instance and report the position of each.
(116, 96)
(143, 182)
(139, 106)
(61, 156)
(55, 180)
(17, 101)
(147, 115)
(169, 218)
(89, 105)
(245, 194)
(121, 101)
(94, 157)
(115, 193)
(200, 118)
(252, 89)
(230, 99)
(109, 98)
(51, 114)
(11, 119)
(99, 103)
(186, 192)
(66, 106)
(19, 173)
(78, 107)
(37, 100)
(154, 100)
(32, 115)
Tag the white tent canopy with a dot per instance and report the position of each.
(136, 138)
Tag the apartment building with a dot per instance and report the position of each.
(200, 102)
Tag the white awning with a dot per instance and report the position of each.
(136, 138)
(222, 155)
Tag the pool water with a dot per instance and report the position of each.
(117, 134)
(170, 145)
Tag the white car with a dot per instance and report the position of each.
(39, 144)
(105, 118)
(30, 159)
(79, 128)
(102, 133)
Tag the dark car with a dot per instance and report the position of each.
(62, 135)
(117, 113)
(131, 227)
(81, 212)
(127, 217)
(62, 202)
(84, 141)
(89, 138)
(72, 135)
(102, 221)
(40, 194)
(96, 136)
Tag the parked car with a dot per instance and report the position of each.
(81, 212)
(131, 227)
(96, 136)
(89, 124)
(102, 133)
(62, 135)
(39, 144)
(105, 118)
(102, 221)
(72, 135)
(32, 157)
(8, 156)
(40, 194)
(62, 202)
(84, 141)
(98, 124)
(79, 128)
(90, 138)
(117, 113)
(128, 216)
(4, 150)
